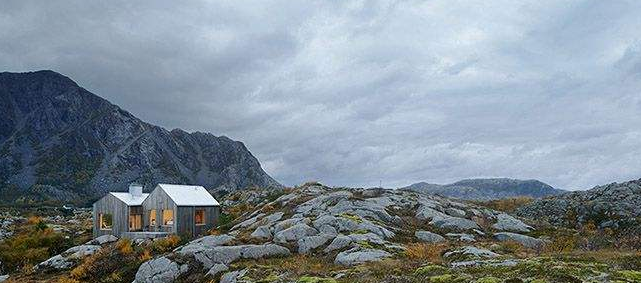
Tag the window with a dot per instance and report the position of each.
(152, 217)
(167, 217)
(199, 217)
(106, 221)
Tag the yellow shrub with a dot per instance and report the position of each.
(166, 244)
(562, 244)
(145, 255)
(124, 246)
(32, 220)
(425, 252)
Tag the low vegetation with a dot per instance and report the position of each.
(32, 243)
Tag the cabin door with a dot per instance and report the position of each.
(135, 222)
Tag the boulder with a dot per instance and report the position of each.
(505, 222)
(206, 242)
(68, 258)
(307, 244)
(340, 242)
(81, 251)
(262, 233)
(248, 222)
(470, 252)
(287, 223)
(294, 233)
(56, 262)
(232, 277)
(526, 241)
(229, 254)
(357, 256)
(216, 269)
(376, 229)
(461, 237)
(455, 212)
(367, 237)
(321, 203)
(454, 223)
(429, 237)
(104, 239)
(159, 270)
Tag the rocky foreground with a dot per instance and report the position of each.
(345, 229)
(317, 234)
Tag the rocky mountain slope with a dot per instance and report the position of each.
(59, 141)
(487, 189)
(612, 205)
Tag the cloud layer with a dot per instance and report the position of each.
(356, 92)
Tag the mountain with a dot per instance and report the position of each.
(487, 189)
(59, 141)
(613, 205)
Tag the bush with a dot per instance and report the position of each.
(124, 246)
(165, 244)
(426, 252)
(31, 246)
(109, 264)
(507, 204)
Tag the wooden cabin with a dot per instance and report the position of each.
(119, 212)
(184, 210)
(180, 209)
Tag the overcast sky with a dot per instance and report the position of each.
(356, 92)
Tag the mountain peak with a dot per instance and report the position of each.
(60, 141)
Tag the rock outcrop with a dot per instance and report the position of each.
(73, 255)
(612, 205)
(348, 226)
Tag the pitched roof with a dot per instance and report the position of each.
(130, 199)
(185, 195)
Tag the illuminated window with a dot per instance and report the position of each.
(199, 217)
(167, 217)
(106, 221)
(152, 217)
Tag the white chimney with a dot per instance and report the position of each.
(135, 189)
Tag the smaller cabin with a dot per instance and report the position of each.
(119, 212)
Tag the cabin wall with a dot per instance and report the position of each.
(158, 200)
(186, 224)
(109, 204)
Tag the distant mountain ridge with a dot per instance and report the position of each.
(487, 189)
(59, 141)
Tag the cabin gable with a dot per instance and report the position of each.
(110, 206)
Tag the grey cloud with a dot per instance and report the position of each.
(353, 92)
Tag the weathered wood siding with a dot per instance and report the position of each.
(110, 204)
(186, 222)
(158, 200)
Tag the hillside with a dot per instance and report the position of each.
(487, 189)
(607, 206)
(59, 141)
